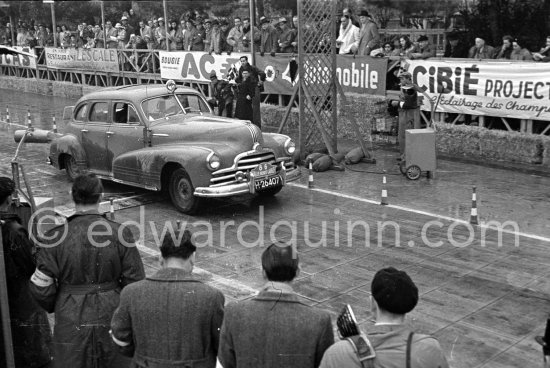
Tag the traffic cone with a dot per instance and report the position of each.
(310, 178)
(473, 215)
(112, 210)
(54, 125)
(8, 116)
(384, 200)
(29, 122)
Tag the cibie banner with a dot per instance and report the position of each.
(197, 65)
(21, 60)
(508, 89)
(104, 60)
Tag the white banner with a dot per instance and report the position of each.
(104, 60)
(509, 89)
(19, 60)
(196, 65)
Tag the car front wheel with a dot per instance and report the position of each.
(71, 168)
(181, 192)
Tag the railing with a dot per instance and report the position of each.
(435, 35)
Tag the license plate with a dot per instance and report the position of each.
(265, 169)
(261, 184)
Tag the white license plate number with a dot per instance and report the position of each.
(261, 184)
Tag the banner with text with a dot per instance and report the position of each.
(19, 60)
(104, 60)
(359, 75)
(196, 65)
(516, 90)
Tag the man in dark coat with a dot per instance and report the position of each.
(223, 95)
(245, 94)
(171, 319)
(81, 268)
(257, 78)
(275, 329)
(29, 323)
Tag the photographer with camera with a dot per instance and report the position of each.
(390, 343)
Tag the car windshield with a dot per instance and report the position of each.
(165, 106)
(161, 107)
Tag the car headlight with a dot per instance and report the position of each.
(290, 147)
(213, 161)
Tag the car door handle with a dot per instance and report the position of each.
(84, 130)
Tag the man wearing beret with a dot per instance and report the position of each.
(425, 49)
(394, 295)
(275, 329)
(170, 319)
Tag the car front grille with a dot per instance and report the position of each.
(246, 162)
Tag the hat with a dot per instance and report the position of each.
(364, 13)
(213, 74)
(215, 22)
(224, 22)
(405, 75)
(118, 25)
(160, 19)
(422, 38)
(282, 20)
(124, 18)
(264, 20)
(207, 20)
(394, 291)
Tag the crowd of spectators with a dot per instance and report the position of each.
(199, 31)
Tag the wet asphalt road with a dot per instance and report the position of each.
(503, 195)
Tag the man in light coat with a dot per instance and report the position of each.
(275, 329)
(348, 39)
(171, 318)
(369, 38)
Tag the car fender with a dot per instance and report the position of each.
(275, 142)
(67, 144)
(151, 161)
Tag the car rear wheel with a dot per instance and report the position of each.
(71, 168)
(181, 192)
(270, 192)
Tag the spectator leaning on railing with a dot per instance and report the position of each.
(286, 37)
(544, 53)
(268, 37)
(504, 51)
(369, 38)
(480, 50)
(425, 49)
(519, 52)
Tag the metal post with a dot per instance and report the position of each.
(103, 25)
(13, 38)
(4, 308)
(301, 73)
(252, 5)
(166, 24)
(54, 26)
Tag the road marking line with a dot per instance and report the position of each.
(420, 212)
(233, 284)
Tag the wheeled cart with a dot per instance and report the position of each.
(419, 153)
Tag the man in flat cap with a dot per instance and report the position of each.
(394, 295)
(369, 38)
(275, 329)
(286, 37)
(170, 319)
(29, 323)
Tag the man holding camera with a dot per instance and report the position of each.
(394, 295)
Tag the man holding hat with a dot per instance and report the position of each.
(394, 295)
(369, 38)
(286, 37)
(170, 319)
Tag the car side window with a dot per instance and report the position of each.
(193, 103)
(81, 113)
(125, 113)
(99, 112)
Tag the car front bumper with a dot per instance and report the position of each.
(245, 186)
